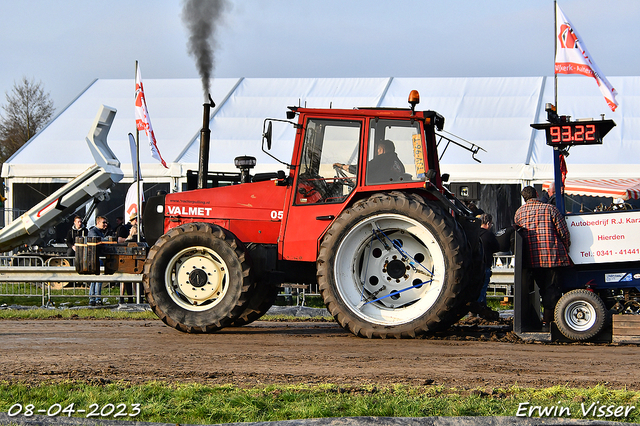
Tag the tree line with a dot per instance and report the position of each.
(28, 108)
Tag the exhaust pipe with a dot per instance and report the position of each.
(205, 138)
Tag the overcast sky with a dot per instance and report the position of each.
(67, 44)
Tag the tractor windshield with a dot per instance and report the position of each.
(395, 152)
(326, 143)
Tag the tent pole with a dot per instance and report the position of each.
(138, 185)
(137, 176)
(555, 52)
(557, 173)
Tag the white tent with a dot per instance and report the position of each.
(494, 113)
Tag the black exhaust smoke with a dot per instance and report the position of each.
(205, 138)
(201, 18)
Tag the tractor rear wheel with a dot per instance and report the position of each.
(392, 266)
(580, 314)
(196, 278)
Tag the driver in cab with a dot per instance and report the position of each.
(384, 167)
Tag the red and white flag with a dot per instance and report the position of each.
(572, 57)
(143, 123)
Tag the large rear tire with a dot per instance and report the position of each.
(580, 314)
(392, 266)
(197, 278)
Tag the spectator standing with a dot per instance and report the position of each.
(98, 230)
(124, 230)
(126, 233)
(475, 210)
(77, 230)
(505, 239)
(546, 248)
(119, 224)
(490, 245)
(549, 196)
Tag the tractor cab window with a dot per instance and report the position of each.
(395, 152)
(326, 143)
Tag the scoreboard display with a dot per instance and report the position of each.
(582, 132)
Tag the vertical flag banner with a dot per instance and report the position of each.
(143, 123)
(134, 158)
(572, 57)
(131, 202)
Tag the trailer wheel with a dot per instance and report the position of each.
(580, 314)
(391, 266)
(196, 278)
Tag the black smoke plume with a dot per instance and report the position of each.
(201, 18)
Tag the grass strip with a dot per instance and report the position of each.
(204, 404)
(43, 313)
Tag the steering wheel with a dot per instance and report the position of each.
(343, 178)
(315, 183)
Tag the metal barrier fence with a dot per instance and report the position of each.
(502, 276)
(48, 291)
(299, 291)
(24, 289)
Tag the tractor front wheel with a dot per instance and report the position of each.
(197, 278)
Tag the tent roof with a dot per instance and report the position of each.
(494, 113)
(627, 189)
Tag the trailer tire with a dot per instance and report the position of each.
(580, 314)
(197, 278)
(360, 270)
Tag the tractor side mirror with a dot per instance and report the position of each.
(266, 136)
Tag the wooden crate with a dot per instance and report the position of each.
(626, 328)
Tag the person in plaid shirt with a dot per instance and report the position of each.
(546, 248)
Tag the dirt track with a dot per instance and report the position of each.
(268, 352)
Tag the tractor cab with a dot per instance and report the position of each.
(338, 155)
(339, 150)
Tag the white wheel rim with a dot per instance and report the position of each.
(366, 262)
(580, 315)
(197, 278)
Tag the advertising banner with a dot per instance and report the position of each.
(605, 237)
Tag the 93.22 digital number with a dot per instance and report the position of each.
(574, 133)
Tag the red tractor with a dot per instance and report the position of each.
(362, 212)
